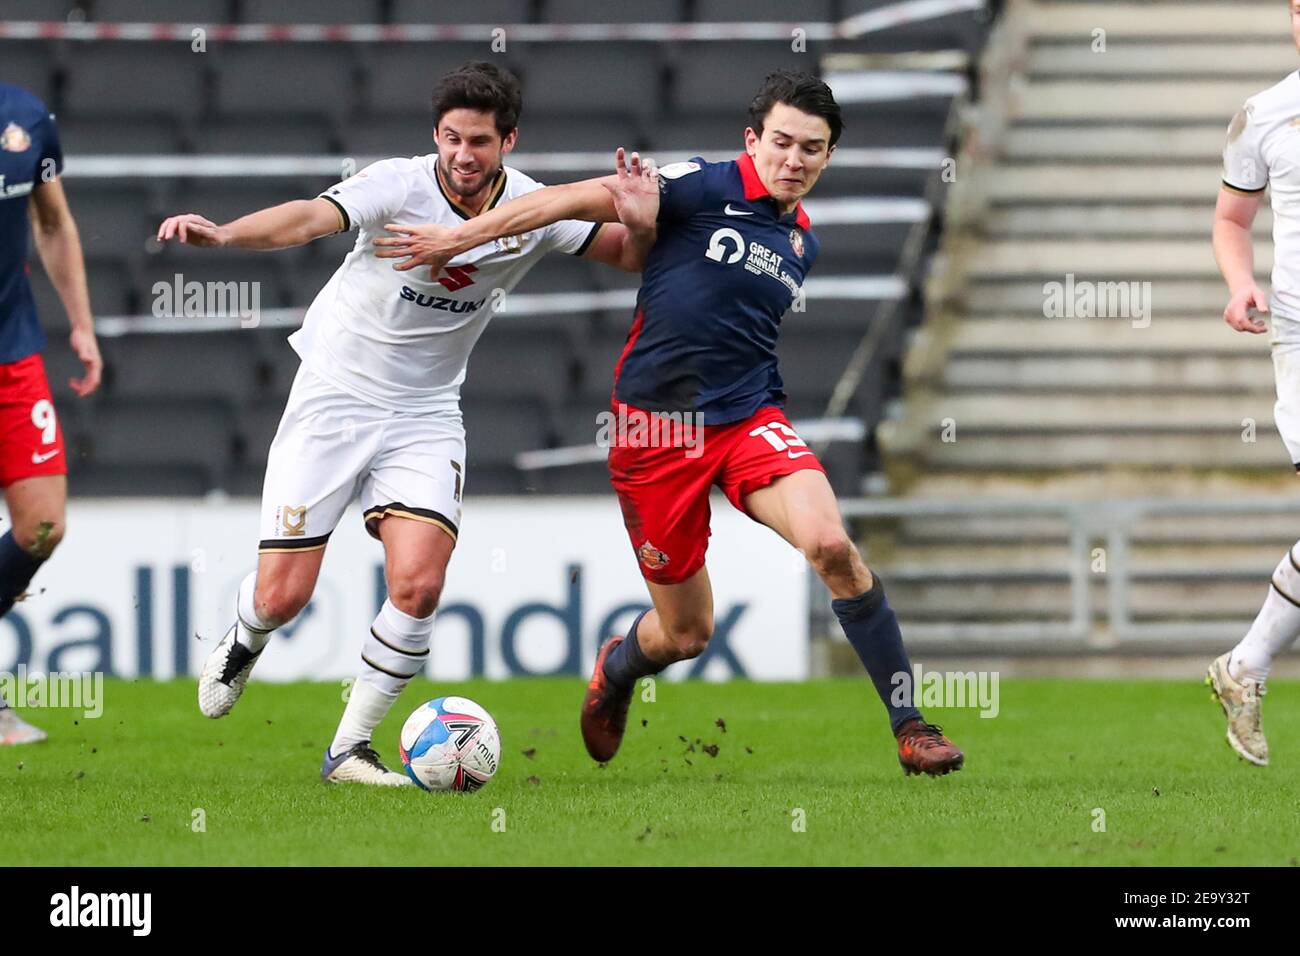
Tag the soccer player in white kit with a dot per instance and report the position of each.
(1263, 152)
(374, 410)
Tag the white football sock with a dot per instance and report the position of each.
(395, 651)
(1275, 628)
(250, 628)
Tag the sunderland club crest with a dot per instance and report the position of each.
(796, 242)
(15, 139)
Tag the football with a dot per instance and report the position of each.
(450, 743)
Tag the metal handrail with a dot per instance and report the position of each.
(1111, 520)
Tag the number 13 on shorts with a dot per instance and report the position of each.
(782, 438)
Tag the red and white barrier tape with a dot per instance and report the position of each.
(412, 33)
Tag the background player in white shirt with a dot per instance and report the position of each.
(374, 410)
(1263, 152)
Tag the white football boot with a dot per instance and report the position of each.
(14, 730)
(360, 764)
(225, 673)
(1241, 705)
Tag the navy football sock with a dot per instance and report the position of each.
(627, 662)
(872, 628)
(16, 570)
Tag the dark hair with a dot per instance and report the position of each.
(804, 92)
(480, 86)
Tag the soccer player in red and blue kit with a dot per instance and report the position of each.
(731, 251)
(33, 465)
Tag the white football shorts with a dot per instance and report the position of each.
(332, 447)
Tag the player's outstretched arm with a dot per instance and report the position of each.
(278, 227)
(1234, 215)
(59, 246)
(591, 200)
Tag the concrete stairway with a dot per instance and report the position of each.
(1100, 168)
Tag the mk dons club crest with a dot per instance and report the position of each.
(294, 521)
(15, 139)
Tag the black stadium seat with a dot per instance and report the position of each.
(811, 361)
(150, 11)
(119, 135)
(173, 85)
(222, 366)
(499, 12)
(716, 134)
(29, 65)
(381, 137)
(514, 362)
(111, 288)
(558, 80)
(252, 81)
(197, 436)
(257, 427)
(308, 277)
(558, 272)
(541, 132)
(309, 11)
(111, 291)
(584, 11)
(48, 10)
(850, 238)
(498, 429)
(114, 217)
(400, 76)
(726, 80)
(155, 288)
(764, 11)
(301, 136)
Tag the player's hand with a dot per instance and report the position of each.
(636, 191)
(86, 348)
(1239, 315)
(424, 245)
(193, 230)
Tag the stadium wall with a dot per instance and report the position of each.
(533, 588)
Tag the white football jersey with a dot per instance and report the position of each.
(401, 340)
(1263, 151)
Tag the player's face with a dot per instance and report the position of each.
(470, 150)
(791, 153)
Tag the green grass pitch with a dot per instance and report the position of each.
(803, 774)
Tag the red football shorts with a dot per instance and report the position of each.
(31, 442)
(663, 485)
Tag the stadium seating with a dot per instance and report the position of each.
(366, 100)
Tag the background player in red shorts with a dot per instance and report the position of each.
(33, 466)
(732, 249)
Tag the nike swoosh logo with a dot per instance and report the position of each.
(800, 455)
(38, 458)
(735, 212)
